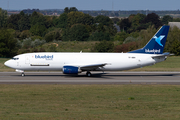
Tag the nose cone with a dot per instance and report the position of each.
(7, 63)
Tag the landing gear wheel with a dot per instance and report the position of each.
(22, 74)
(88, 74)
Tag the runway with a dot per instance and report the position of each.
(97, 78)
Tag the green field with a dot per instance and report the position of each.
(171, 64)
(89, 102)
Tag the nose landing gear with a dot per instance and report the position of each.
(21, 71)
(22, 74)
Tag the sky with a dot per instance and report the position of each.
(91, 4)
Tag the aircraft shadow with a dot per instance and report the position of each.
(60, 75)
(98, 75)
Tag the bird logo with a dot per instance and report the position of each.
(159, 39)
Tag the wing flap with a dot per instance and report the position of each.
(91, 67)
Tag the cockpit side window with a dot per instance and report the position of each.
(15, 58)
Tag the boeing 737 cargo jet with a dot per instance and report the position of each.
(74, 63)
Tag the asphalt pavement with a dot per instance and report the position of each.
(97, 78)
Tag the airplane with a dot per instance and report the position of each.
(74, 63)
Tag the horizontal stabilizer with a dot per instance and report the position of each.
(162, 55)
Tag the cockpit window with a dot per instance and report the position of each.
(15, 58)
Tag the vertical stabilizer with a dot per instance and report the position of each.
(156, 44)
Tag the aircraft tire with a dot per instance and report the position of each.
(22, 74)
(88, 74)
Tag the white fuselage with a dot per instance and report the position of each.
(55, 61)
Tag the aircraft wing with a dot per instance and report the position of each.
(91, 67)
(88, 67)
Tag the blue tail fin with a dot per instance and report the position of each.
(156, 44)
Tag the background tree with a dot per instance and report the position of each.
(100, 28)
(146, 35)
(78, 32)
(37, 18)
(25, 34)
(66, 34)
(73, 9)
(24, 21)
(166, 19)
(38, 24)
(3, 18)
(75, 18)
(49, 21)
(61, 21)
(99, 36)
(52, 48)
(49, 37)
(173, 41)
(105, 20)
(176, 19)
(8, 46)
(68, 10)
(126, 47)
(121, 36)
(125, 24)
(154, 19)
(38, 30)
(115, 20)
(87, 19)
(137, 22)
(104, 46)
(54, 34)
(107, 23)
(12, 21)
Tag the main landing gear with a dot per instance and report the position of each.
(88, 74)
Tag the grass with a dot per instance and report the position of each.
(90, 102)
(171, 64)
(3, 68)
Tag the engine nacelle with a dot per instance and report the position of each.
(70, 70)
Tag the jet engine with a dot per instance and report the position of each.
(70, 70)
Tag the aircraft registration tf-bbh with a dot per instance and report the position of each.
(74, 63)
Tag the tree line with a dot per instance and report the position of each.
(20, 32)
(114, 13)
